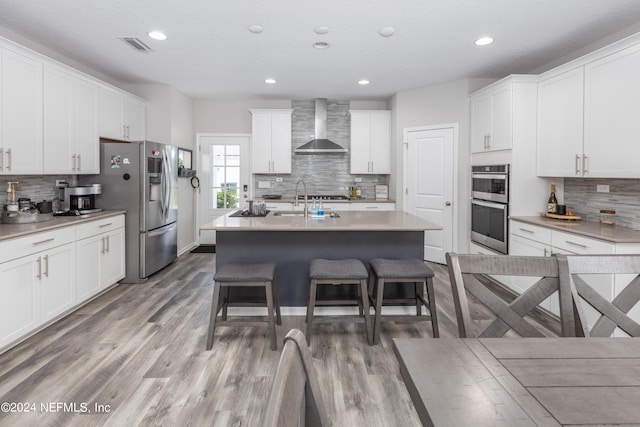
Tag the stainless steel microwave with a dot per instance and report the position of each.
(490, 183)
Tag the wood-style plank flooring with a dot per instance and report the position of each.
(136, 356)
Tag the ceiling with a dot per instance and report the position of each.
(210, 53)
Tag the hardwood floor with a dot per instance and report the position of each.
(136, 356)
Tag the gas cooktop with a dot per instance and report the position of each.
(323, 197)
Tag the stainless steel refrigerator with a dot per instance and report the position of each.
(142, 178)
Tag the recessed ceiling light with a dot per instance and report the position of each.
(387, 31)
(321, 45)
(256, 29)
(363, 82)
(483, 41)
(157, 35)
(270, 81)
(321, 30)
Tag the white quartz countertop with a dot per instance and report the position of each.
(348, 221)
(10, 231)
(609, 233)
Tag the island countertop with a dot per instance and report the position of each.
(348, 220)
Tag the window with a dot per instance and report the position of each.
(225, 177)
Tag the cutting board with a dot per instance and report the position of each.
(565, 217)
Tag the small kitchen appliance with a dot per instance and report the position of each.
(81, 199)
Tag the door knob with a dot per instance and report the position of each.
(447, 203)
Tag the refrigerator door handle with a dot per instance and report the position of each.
(161, 231)
(166, 182)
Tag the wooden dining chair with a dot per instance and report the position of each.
(470, 273)
(295, 398)
(576, 271)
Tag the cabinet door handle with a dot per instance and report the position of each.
(569, 242)
(43, 241)
(526, 231)
(124, 131)
(73, 162)
(577, 162)
(488, 141)
(545, 251)
(105, 225)
(1, 159)
(46, 266)
(79, 162)
(103, 245)
(8, 158)
(371, 207)
(108, 243)
(585, 164)
(39, 261)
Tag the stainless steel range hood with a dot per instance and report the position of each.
(320, 145)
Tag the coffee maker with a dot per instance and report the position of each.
(81, 199)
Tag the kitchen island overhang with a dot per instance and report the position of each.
(293, 241)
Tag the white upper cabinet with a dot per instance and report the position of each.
(271, 141)
(560, 124)
(588, 115)
(370, 141)
(491, 119)
(21, 114)
(611, 113)
(121, 117)
(71, 143)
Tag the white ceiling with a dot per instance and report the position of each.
(211, 54)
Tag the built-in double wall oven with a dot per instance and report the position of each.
(490, 206)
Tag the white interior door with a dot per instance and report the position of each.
(224, 177)
(429, 167)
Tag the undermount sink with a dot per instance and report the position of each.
(301, 213)
(288, 213)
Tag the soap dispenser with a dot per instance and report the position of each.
(12, 205)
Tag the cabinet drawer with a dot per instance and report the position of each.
(22, 246)
(580, 245)
(373, 206)
(531, 232)
(99, 226)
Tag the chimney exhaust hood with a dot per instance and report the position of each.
(320, 145)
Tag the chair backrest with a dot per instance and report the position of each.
(576, 271)
(295, 398)
(470, 273)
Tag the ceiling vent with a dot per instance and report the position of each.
(137, 44)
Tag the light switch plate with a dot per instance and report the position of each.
(358, 179)
(279, 179)
(264, 184)
(602, 188)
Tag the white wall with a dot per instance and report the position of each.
(229, 116)
(434, 105)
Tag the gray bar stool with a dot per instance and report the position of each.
(245, 274)
(339, 272)
(397, 271)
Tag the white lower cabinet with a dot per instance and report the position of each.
(44, 275)
(531, 240)
(19, 305)
(35, 289)
(57, 281)
(100, 256)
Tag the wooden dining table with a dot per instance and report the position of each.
(522, 381)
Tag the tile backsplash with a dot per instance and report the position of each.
(580, 195)
(322, 173)
(36, 187)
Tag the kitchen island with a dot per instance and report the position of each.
(292, 241)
